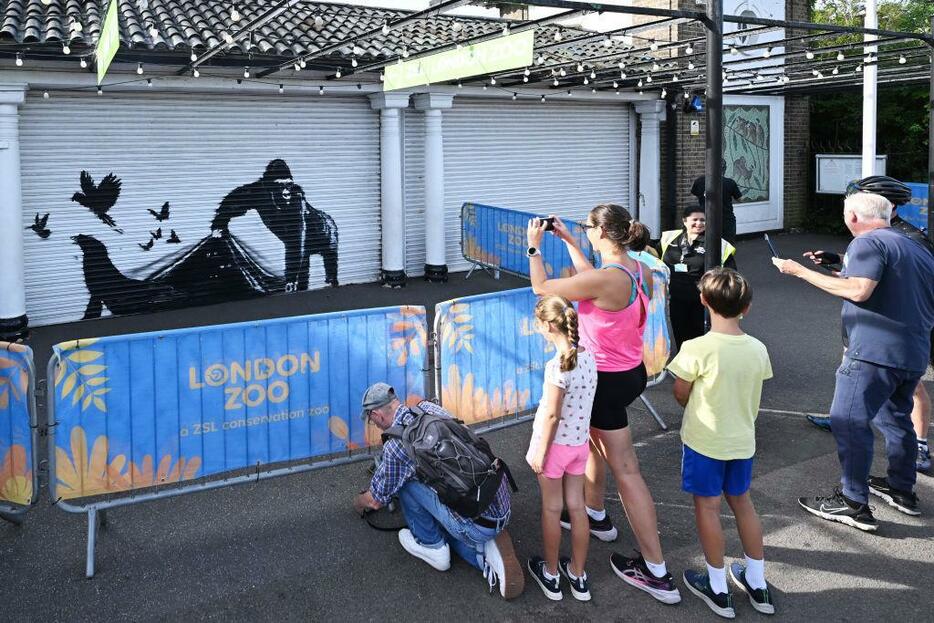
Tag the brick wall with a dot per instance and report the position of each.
(797, 134)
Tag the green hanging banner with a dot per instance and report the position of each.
(108, 42)
(500, 54)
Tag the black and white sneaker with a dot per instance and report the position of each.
(720, 603)
(760, 598)
(634, 572)
(602, 529)
(580, 586)
(550, 587)
(837, 507)
(903, 501)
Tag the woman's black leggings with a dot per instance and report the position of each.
(687, 318)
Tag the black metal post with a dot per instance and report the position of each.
(713, 172)
(669, 216)
(931, 145)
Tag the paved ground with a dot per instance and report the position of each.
(291, 549)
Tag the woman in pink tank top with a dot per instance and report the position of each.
(613, 307)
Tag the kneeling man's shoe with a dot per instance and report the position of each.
(502, 567)
(437, 557)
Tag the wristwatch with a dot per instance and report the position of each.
(532, 252)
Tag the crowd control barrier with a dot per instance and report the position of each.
(656, 341)
(19, 469)
(208, 407)
(916, 211)
(495, 238)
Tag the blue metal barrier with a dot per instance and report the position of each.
(234, 401)
(916, 211)
(495, 238)
(19, 469)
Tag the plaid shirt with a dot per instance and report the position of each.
(397, 468)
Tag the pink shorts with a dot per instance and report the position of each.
(563, 460)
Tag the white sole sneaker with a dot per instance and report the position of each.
(891, 502)
(844, 519)
(438, 558)
(500, 555)
(726, 613)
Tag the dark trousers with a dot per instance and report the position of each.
(687, 316)
(864, 393)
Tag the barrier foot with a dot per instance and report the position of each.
(658, 418)
(13, 519)
(92, 539)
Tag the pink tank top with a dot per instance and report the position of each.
(615, 337)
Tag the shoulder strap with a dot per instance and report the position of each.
(395, 432)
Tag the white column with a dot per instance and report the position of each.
(391, 213)
(13, 320)
(870, 90)
(651, 114)
(435, 247)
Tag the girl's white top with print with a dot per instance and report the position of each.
(579, 385)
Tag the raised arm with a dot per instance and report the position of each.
(581, 262)
(582, 286)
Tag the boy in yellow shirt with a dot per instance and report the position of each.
(718, 379)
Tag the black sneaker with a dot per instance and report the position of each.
(760, 598)
(720, 603)
(634, 572)
(602, 529)
(550, 587)
(837, 507)
(580, 586)
(903, 501)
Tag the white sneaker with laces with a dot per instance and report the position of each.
(437, 557)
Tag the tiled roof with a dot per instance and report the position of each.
(186, 25)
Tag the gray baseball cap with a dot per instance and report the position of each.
(375, 396)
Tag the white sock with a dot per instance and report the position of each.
(922, 444)
(599, 515)
(658, 570)
(717, 579)
(548, 573)
(755, 572)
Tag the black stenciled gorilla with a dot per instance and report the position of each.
(281, 204)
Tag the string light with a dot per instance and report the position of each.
(139, 68)
(858, 69)
(228, 39)
(648, 78)
(690, 65)
(196, 73)
(246, 72)
(562, 73)
(337, 74)
(506, 30)
(558, 36)
(66, 49)
(675, 78)
(580, 67)
(83, 63)
(298, 67)
(193, 56)
(386, 27)
(608, 42)
(622, 65)
(593, 90)
(687, 95)
(767, 53)
(836, 70)
(653, 46)
(405, 52)
(514, 96)
(689, 49)
(492, 80)
(456, 27)
(570, 93)
(321, 90)
(484, 86)
(302, 62)
(382, 77)
(902, 60)
(733, 50)
(281, 89)
(814, 72)
(640, 83)
(543, 99)
(525, 78)
(19, 59)
(234, 14)
(586, 80)
(617, 91)
(539, 60)
(319, 22)
(655, 66)
(664, 92)
(820, 75)
(840, 55)
(149, 82)
(76, 26)
(555, 82)
(154, 32)
(809, 55)
(353, 62)
(615, 84)
(45, 95)
(459, 85)
(527, 72)
(100, 91)
(622, 75)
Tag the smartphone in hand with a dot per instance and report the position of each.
(549, 222)
(771, 246)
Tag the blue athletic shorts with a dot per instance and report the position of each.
(707, 477)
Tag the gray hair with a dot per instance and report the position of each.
(868, 207)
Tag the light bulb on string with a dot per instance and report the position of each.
(664, 92)
(558, 36)
(66, 49)
(196, 73)
(675, 78)
(153, 31)
(690, 65)
(622, 65)
(382, 77)
(83, 63)
(353, 62)
(580, 67)
(149, 82)
(593, 74)
(514, 96)
(840, 55)
(836, 70)
(492, 80)
(902, 60)
(281, 89)
(139, 69)
(814, 72)
(809, 55)
(655, 66)
(555, 82)
(639, 84)
(319, 22)
(622, 75)
(405, 52)
(234, 14)
(459, 85)
(617, 91)
(228, 39)
(19, 59)
(456, 27)
(687, 95)
(858, 69)
(733, 50)
(543, 99)
(386, 27)
(321, 90)
(608, 42)
(767, 53)
(653, 46)
(298, 67)
(641, 92)
(45, 95)
(506, 31)
(562, 72)
(484, 86)
(193, 56)
(786, 79)
(586, 80)
(76, 26)
(648, 78)
(337, 74)
(100, 91)
(525, 78)
(689, 49)
(527, 72)
(570, 93)
(593, 90)
(615, 84)
(246, 72)
(303, 63)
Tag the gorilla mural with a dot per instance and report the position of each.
(221, 266)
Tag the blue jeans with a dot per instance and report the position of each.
(866, 393)
(433, 524)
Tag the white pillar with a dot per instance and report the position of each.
(13, 320)
(392, 216)
(436, 268)
(870, 90)
(651, 114)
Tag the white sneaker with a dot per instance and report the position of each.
(502, 567)
(437, 557)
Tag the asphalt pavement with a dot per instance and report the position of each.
(292, 549)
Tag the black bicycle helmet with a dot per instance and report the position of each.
(889, 187)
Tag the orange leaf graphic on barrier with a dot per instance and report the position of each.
(80, 381)
(457, 333)
(15, 476)
(408, 336)
(473, 251)
(473, 404)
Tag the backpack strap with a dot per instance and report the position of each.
(508, 474)
(395, 432)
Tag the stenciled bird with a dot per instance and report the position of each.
(99, 198)
(173, 239)
(161, 215)
(148, 245)
(39, 226)
(156, 234)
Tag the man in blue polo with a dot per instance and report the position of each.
(434, 528)
(887, 287)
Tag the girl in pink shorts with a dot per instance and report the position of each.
(559, 448)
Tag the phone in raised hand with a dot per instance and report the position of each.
(771, 246)
(549, 222)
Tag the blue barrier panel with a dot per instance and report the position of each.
(496, 238)
(18, 459)
(916, 211)
(136, 411)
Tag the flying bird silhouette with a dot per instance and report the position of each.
(99, 198)
(173, 239)
(156, 234)
(162, 214)
(148, 245)
(39, 226)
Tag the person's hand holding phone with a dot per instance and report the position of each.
(560, 229)
(822, 258)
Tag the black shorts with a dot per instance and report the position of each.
(615, 392)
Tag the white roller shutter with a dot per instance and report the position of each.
(562, 156)
(190, 151)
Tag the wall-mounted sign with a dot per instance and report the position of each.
(498, 54)
(835, 171)
(695, 127)
(108, 42)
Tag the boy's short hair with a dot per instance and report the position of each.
(725, 291)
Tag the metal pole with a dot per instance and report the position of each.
(870, 92)
(931, 145)
(713, 172)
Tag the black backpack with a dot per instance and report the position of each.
(453, 461)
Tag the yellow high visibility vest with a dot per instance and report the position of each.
(671, 235)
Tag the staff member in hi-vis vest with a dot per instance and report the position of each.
(683, 252)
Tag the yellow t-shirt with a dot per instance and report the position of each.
(727, 372)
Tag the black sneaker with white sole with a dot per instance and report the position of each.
(836, 507)
(580, 586)
(634, 572)
(550, 586)
(602, 529)
(760, 598)
(699, 584)
(903, 501)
